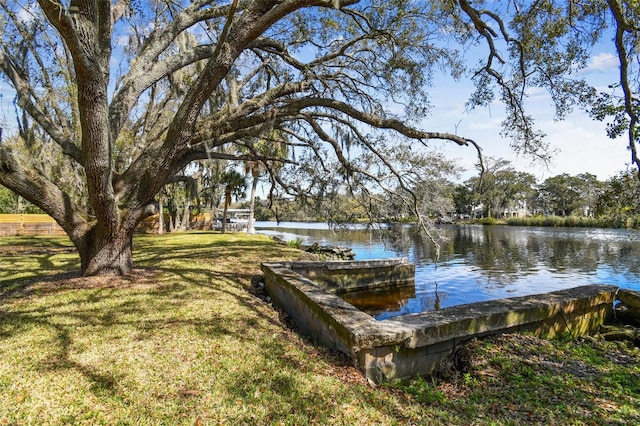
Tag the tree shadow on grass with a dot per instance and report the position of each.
(14, 323)
(101, 383)
(33, 245)
(44, 263)
(24, 287)
(236, 283)
(76, 307)
(170, 277)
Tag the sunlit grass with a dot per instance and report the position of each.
(184, 341)
(180, 341)
(519, 379)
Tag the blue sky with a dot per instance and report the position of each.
(581, 144)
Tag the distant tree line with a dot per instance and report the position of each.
(504, 193)
(500, 192)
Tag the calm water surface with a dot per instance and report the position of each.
(480, 263)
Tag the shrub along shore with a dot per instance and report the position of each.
(616, 222)
(186, 339)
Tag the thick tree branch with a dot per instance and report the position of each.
(136, 82)
(38, 189)
(245, 28)
(374, 120)
(622, 26)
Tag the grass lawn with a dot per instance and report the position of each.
(184, 341)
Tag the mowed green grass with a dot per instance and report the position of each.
(184, 340)
(181, 341)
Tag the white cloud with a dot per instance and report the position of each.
(26, 15)
(602, 62)
(584, 147)
(537, 93)
(491, 123)
(581, 144)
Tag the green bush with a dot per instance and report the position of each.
(610, 221)
(297, 243)
(487, 221)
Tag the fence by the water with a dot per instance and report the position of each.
(28, 224)
(200, 221)
(42, 224)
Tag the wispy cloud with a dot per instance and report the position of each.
(602, 62)
(28, 13)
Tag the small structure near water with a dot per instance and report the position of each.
(415, 344)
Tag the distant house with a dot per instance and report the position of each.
(477, 211)
(517, 209)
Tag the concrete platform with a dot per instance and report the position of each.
(412, 345)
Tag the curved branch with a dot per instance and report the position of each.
(374, 120)
(60, 18)
(147, 70)
(136, 82)
(243, 115)
(40, 191)
(486, 31)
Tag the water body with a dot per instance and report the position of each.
(479, 263)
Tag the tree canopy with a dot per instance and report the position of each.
(116, 97)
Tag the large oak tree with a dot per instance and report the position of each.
(128, 93)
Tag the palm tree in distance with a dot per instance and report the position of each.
(234, 185)
(273, 145)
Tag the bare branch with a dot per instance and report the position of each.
(38, 189)
(23, 91)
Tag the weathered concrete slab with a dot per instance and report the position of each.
(343, 276)
(628, 312)
(630, 298)
(411, 345)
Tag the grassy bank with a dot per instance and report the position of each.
(184, 341)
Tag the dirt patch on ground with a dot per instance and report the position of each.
(10, 250)
(136, 278)
(72, 280)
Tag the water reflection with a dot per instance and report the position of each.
(489, 262)
(381, 300)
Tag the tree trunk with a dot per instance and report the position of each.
(177, 222)
(186, 215)
(252, 204)
(227, 201)
(173, 216)
(106, 254)
(160, 216)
